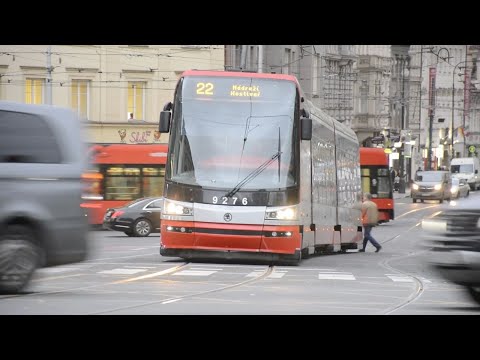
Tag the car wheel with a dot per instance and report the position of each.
(440, 201)
(414, 200)
(142, 227)
(19, 257)
(129, 233)
(474, 293)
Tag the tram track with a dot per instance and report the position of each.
(419, 284)
(172, 299)
(54, 292)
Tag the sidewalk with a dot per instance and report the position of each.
(397, 195)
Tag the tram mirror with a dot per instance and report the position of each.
(167, 106)
(306, 128)
(164, 124)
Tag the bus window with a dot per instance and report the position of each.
(122, 183)
(153, 180)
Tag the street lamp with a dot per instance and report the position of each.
(453, 109)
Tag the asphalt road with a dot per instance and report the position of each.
(128, 276)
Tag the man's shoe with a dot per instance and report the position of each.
(378, 249)
(361, 250)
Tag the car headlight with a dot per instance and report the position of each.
(285, 213)
(438, 187)
(437, 226)
(171, 207)
(454, 189)
(415, 187)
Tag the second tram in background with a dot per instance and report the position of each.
(376, 180)
(255, 172)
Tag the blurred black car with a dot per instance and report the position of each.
(454, 241)
(137, 218)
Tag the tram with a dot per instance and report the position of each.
(256, 171)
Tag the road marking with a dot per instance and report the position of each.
(415, 210)
(255, 273)
(171, 301)
(276, 274)
(58, 269)
(159, 273)
(139, 267)
(195, 272)
(336, 276)
(399, 278)
(121, 271)
(206, 269)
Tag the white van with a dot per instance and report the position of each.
(466, 168)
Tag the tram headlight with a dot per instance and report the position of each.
(171, 207)
(285, 213)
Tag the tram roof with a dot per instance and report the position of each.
(373, 156)
(241, 74)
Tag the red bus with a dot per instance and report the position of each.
(121, 173)
(377, 181)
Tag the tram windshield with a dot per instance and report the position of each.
(227, 127)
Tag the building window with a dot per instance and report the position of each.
(80, 98)
(34, 91)
(136, 100)
(364, 98)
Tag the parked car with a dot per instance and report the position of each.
(137, 218)
(453, 237)
(460, 188)
(41, 164)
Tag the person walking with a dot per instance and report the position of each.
(369, 220)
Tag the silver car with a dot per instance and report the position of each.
(460, 188)
(42, 158)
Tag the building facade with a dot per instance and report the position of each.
(372, 115)
(119, 89)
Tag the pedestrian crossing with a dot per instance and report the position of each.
(321, 274)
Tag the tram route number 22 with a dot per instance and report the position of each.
(224, 200)
(204, 88)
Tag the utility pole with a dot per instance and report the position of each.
(48, 85)
(432, 75)
(466, 75)
(420, 115)
(401, 189)
(260, 58)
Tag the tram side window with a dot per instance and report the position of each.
(153, 181)
(384, 185)
(122, 183)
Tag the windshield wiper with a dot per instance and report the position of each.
(253, 174)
